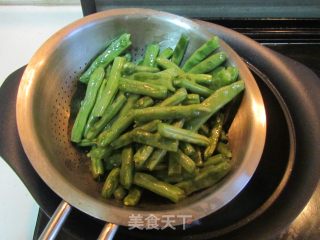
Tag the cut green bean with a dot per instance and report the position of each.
(174, 167)
(207, 178)
(205, 79)
(99, 153)
(191, 99)
(130, 68)
(150, 55)
(155, 140)
(163, 189)
(87, 105)
(137, 87)
(110, 89)
(127, 137)
(97, 168)
(133, 197)
(111, 111)
(186, 162)
(198, 157)
(113, 50)
(142, 154)
(111, 183)
(214, 136)
(163, 176)
(201, 53)
(215, 102)
(193, 87)
(167, 64)
(170, 112)
(155, 158)
(174, 99)
(224, 77)
(204, 130)
(210, 63)
(127, 167)
(144, 102)
(119, 193)
(180, 49)
(215, 160)
(87, 143)
(112, 161)
(224, 149)
(175, 133)
(187, 149)
(128, 57)
(166, 53)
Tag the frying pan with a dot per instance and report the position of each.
(43, 113)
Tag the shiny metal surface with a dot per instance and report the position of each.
(108, 231)
(43, 112)
(56, 221)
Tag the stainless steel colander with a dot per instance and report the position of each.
(43, 112)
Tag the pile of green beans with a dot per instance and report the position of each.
(156, 125)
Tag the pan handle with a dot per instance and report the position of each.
(56, 221)
(108, 231)
(60, 215)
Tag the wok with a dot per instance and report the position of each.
(43, 113)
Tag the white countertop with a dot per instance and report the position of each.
(23, 29)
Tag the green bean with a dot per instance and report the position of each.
(215, 160)
(215, 102)
(98, 152)
(159, 167)
(187, 149)
(144, 102)
(127, 137)
(163, 189)
(111, 183)
(170, 112)
(224, 149)
(142, 154)
(119, 193)
(112, 161)
(97, 168)
(137, 87)
(205, 79)
(174, 167)
(193, 87)
(150, 55)
(174, 99)
(163, 82)
(208, 177)
(130, 68)
(117, 128)
(201, 53)
(180, 49)
(214, 136)
(113, 50)
(198, 157)
(175, 133)
(186, 162)
(87, 143)
(87, 105)
(128, 57)
(127, 167)
(155, 140)
(166, 53)
(191, 99)
(133, 197)
(167, 64)
(111, 111)
(163, 176)
(123, 120)
(223, 77)
(155, 158)
(110, 89)
(210, 63)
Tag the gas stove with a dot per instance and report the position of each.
(259, 211)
